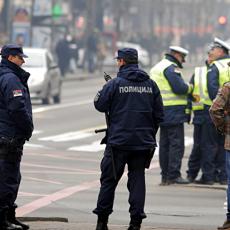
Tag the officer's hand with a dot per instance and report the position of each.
(220, 130)
(196, 97)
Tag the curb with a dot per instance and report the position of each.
(217, 187)
(43, 219)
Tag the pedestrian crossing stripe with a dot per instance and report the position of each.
(70, 136)
(93, 147)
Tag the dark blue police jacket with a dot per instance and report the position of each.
(213, 86)
(135, 109)
(174, 115)
(213, 79)
(15, 105)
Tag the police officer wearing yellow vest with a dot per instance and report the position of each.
(217, 75)
(174, 93)
(201, 143)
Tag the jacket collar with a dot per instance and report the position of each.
(21, 73)
(173, 59)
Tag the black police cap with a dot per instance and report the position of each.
(12, 49)
(127, 53)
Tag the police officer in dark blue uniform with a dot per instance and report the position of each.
(174, 91)
(199, 82)
(16, 126)
(135, 109)
(214, 154)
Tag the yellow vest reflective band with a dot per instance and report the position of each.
(223, 68)
(168, 96)
(224, 76)
(200, 87)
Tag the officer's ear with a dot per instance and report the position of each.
(10, 57)
(123, 62)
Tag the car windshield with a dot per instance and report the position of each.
(34, 60)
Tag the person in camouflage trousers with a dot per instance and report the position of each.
(220, 114)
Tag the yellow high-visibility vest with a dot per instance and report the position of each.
(168, 96)
(200, 88)
(223, 68)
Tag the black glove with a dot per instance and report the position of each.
(188, 118)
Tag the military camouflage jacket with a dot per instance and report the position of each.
(220, 113)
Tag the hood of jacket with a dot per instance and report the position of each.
(131, 72)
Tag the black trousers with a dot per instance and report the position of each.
(171, 150)
(207, 153)
(214, 154)
(136, 161)
(10, 178)
(194, 162)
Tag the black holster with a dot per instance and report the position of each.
(104, 139)
(149, 157)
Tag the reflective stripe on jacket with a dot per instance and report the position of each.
(223, 68)
(168, 96)
(200, 88)
(223, 76)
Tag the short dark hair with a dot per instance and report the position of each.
(131, 60)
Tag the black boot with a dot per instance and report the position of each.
(133, 227)
(135, 223)
(12, 218)
(4, 224)
(102, 222)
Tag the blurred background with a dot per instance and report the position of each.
(94, 29)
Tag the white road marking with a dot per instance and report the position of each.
(28, 194)
(61, 106)
(29, 145)
(93, 147)
(67, 136)
(60, 169)
(42, 180)
(35, 132)
(59, 195)
(96, 146)
(70, 136)
(62, 194)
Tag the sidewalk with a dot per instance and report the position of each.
(59, 223)
(38, 225)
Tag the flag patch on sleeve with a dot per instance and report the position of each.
(17, 93)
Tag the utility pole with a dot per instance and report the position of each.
(31, 22)
(118, 17)
(8, 15)
(91, 15)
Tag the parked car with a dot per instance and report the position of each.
(143, 55)
(45, 79)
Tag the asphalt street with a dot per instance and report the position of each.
(61, 170)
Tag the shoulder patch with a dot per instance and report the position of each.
(17, 93)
